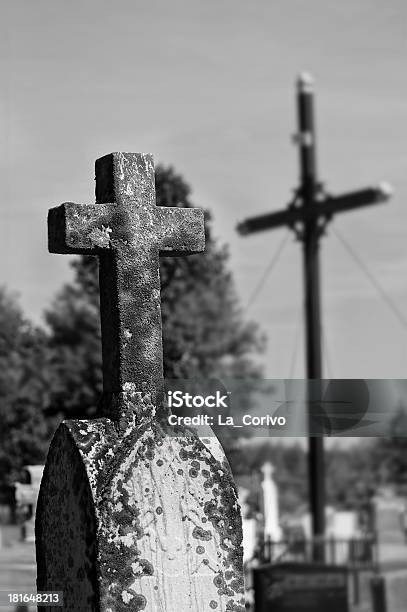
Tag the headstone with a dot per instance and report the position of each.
(26, 494)
(343, 528)
(272, 529)
(395, 590)
(345, 525)
(388, 512)
(249, 526)
(301, 587)
(134, 515)
(335, 525)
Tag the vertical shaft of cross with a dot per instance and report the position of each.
(311, 237)
(128, 232)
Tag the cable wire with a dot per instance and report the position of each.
(382, 292)
(270, 267)
(294, 354)
(326, 356)
(325, 352)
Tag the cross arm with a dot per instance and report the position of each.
(262, 222)
(182, 230)
(77, 229)
(357, 199)
(325, 208)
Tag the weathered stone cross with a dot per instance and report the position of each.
(128, 232)
(131, 515)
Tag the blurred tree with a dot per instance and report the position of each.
(24, 384)
(350, 472)
(390, 452)
(204, 332)
(350, 475)
(290, 463)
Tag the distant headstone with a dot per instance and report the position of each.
(272, 529)
(301, 587)
(249, 525)
(134, 515)
(343, 528)
(26, 494)
(339, 524)
(389, 509)
(345, 525)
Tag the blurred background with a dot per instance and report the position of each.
(209, 89)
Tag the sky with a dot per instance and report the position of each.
(209, 88)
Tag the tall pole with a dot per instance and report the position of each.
(311, 235)
(308, 214)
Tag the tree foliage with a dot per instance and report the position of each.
(24, 385)
(390, 452)
(349, 473)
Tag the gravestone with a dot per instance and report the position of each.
(301, 587)
(26, 494)
(249, 526)
(133, 514)
(388, 514)
(272, 529)
(342, 528)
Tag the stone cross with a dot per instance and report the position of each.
(132, 514)
(128, 232)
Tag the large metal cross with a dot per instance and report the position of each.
(307, 215)
(128, 232)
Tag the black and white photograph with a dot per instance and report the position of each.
(203, 306)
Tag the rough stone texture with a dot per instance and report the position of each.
(128, 232)
(65, 527)
(132, 514)
(168, 527)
